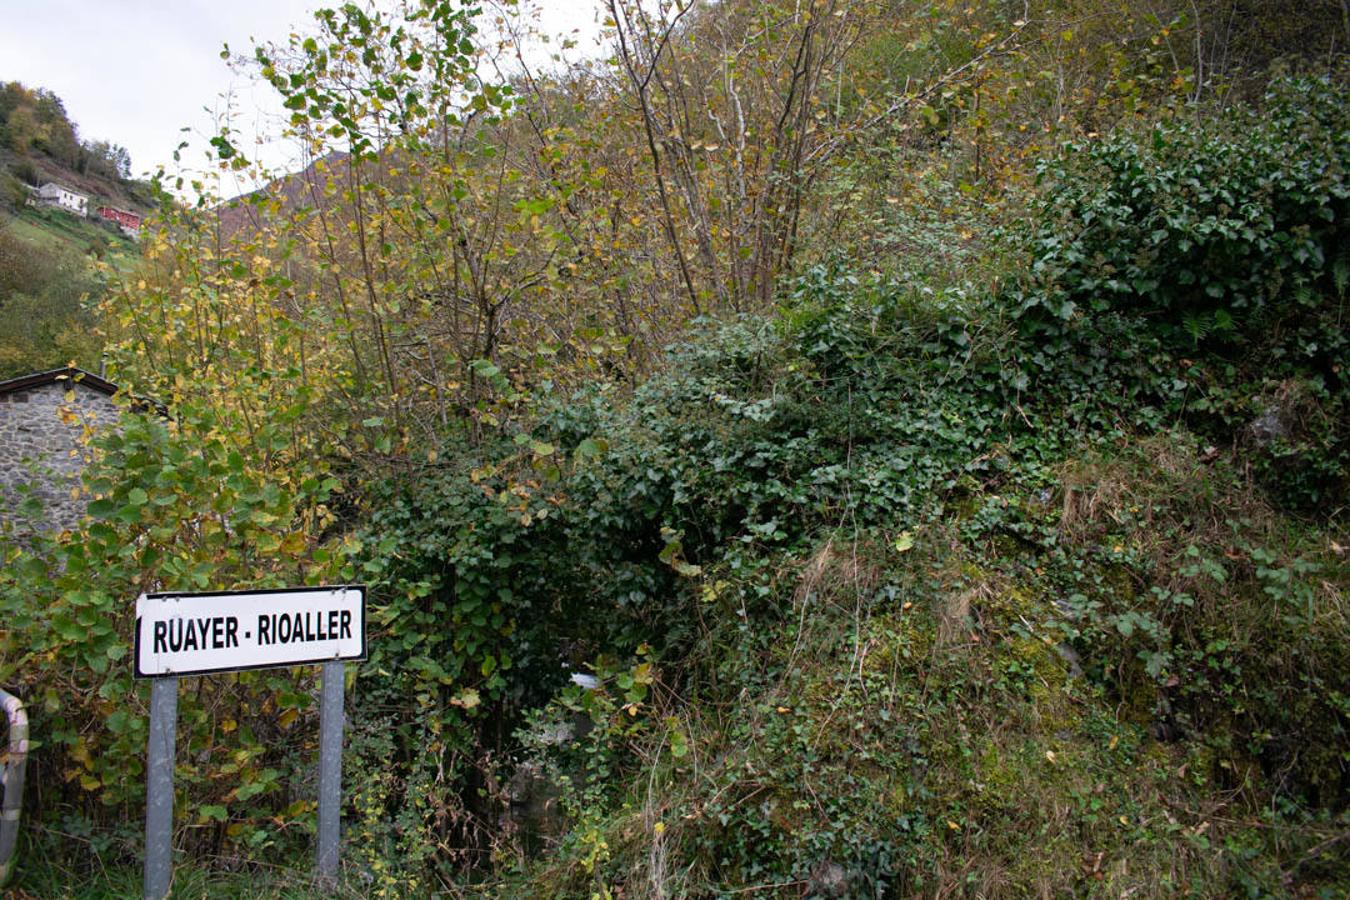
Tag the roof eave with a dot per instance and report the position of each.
(72, 374)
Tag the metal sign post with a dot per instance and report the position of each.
(197, 634)
(159, 787)
(331, 717)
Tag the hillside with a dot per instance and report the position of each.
(832, 449)
(58, 232)
(39, 143)
(289, 193)
(49, 283)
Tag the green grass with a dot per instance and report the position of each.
(56, 230)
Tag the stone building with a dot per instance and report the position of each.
(43, 418)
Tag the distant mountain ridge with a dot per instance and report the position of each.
(292, 191)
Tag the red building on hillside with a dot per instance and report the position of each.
(129, 221)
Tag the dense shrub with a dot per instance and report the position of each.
(871, 470)
(1200, 270)
(844, 497)
(1214, 233)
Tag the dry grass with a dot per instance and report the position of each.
(832, 590)
(957, 613)
(836, 576)
(1140, 489)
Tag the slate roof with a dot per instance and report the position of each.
(66, 373)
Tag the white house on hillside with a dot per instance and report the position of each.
(53, 194)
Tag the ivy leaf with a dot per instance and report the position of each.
(591, 448)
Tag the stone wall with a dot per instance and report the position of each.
(41, 446)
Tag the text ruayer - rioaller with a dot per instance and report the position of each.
(222, 632)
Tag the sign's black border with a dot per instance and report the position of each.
(202, 595)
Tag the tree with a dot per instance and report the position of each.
(108, 159)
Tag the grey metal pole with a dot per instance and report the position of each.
(159, 788)
(330, 770)
(13, 782)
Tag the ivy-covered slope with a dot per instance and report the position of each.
(915, 590)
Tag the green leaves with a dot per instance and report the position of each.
(675, 736)
(224, 148)
(211, 813)
(1192, 220)
(177, 507)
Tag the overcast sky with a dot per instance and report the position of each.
(135, 72)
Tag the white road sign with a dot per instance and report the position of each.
(192, 634)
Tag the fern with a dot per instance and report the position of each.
(1340, 272)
